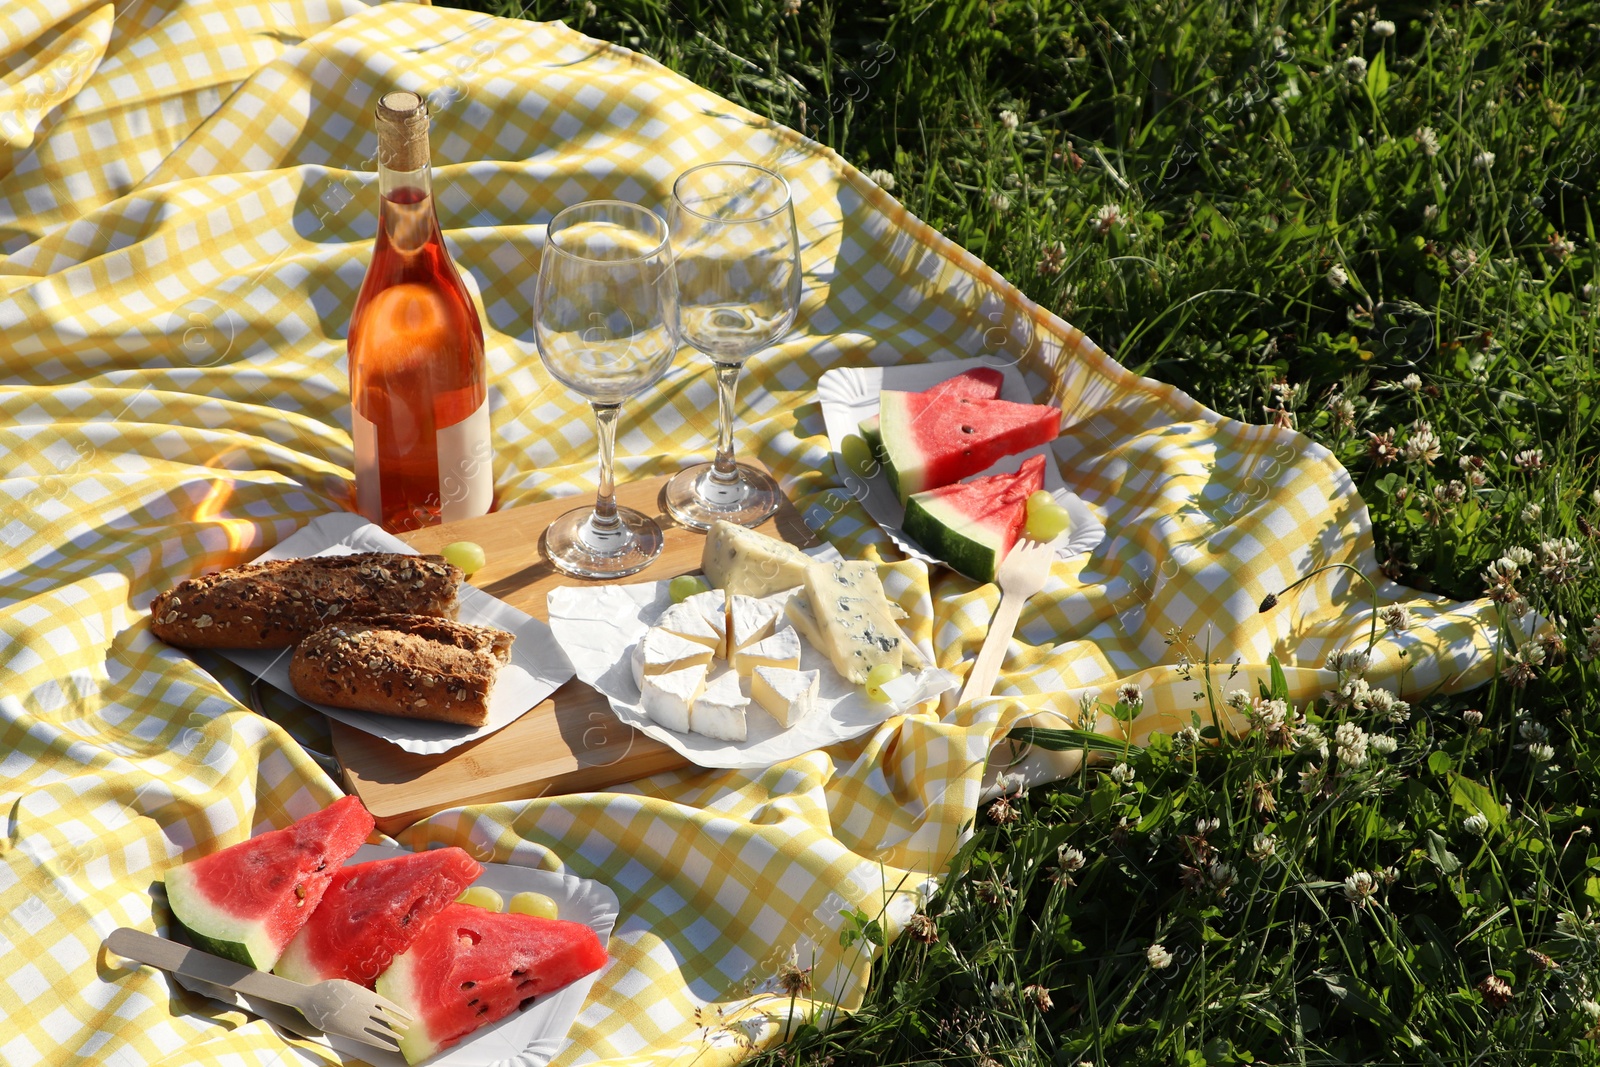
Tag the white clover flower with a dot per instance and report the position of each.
(1001, 990)
(1541, 753)
(1594, 497)
(1561, 560)
(1348, 661)
(1428, 138)
(1122, 774)
(1070, 859)
(1411, 383)
(1311, 778)
(999, 201)
(1108, 217)
(1238, 699)
(1383, 745)
(1536, 732)
(1337, 277)
(1532, 513)
(882, 179)
(1350, 742)
(1399, 711)
(1008, 119)
(1475, 824)
(1430, 212)
(1397, 617)
(1519, 556)
(1131, 695)
(1185, 740)
(1263, 846)
(1309, 738)
(1158, 956)
(1590, 1009)
(1529, 459)
(1483, 160)
(1383, 28)
(1359, 888)
(1220, 875)
(1203, 825)
(1422, 446)
(1560, 246)
(1355, 68)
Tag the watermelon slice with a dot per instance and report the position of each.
(471, 967)
(973, 525)
(980, 383)
(928, 443)
(372, 912)
(248, 900)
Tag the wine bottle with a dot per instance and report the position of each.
(418, 384)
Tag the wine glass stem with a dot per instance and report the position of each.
(724, 468)
(605, 500)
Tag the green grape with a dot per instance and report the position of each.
(481, 896)
(1040, 498)
(536, 904)
(877, 678)
(1048, 523)
(468, 555)
(858, 455)
(685, 586)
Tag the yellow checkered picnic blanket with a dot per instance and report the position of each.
(186, 207)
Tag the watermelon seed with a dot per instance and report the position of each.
(468, 985)
(968, 429)
(299, 894)
(483, 1009)
(473, 1001)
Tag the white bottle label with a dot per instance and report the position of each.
(466, 467)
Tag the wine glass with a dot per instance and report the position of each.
(603, 321)
(737, 256)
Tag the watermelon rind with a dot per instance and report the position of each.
(949, 535)
(213, 930)
(979, 383)
(870, 432)
(399, 984)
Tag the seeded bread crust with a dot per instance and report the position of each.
(415, 666)
(275, 604)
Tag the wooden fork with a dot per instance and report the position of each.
(336, 1007)
(1022, 573)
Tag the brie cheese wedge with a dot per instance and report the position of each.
(660, 651)
(713, 607)
(750, 620)
(788, 696)
(782, 649)
(687, 620)
(669, 698)
(719, 711)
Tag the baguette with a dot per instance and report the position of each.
(275, 604)
(416, 666)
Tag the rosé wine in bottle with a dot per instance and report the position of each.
(418, 384)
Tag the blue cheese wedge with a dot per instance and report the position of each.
(853, 619)
(688, 621)
(719, 711)
(750, 620)
(781, 649)
(713, 608)
(669, 698)
(660, 651)
(788, 696)
(737, 560)
(797, 609)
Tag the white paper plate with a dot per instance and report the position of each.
(527, 1038)
(536, 670)
(599, 625)
(849, 396)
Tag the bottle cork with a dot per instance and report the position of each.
(402, 131)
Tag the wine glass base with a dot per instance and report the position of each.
(697, 500)
(575, 546)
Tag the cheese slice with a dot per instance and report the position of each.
(797, 609)
(738, 560)
(688, 621)
(750, 620)
(782, 649)
(713, 607)
(788, 696)
(853, 617)
(669, 698)
(719, 711)
(660, 651)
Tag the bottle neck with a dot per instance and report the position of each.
(407, 206)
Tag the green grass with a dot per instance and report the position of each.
(1279, 220)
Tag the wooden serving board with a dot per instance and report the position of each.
(572, 742)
